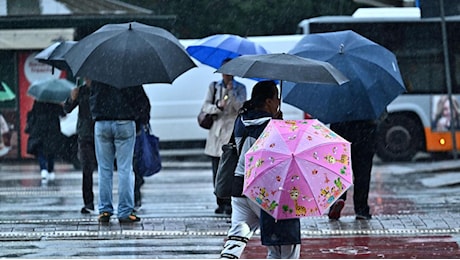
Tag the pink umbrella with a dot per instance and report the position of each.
(297, 168)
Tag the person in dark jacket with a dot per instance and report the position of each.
(281, 237)
(44, 129)
(362, 135)
(85, 130)
(114, 111)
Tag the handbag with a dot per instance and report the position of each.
(147, 160)
(33, 145)
(226, 169)
(29, 122)
(204, 119)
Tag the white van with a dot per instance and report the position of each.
(175, 106)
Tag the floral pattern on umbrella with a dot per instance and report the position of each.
(297, 168)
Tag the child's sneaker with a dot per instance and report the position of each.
(131, 218)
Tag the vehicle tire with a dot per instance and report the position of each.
(399, 138)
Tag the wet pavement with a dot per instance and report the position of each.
(415, 207)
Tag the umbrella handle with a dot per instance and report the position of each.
(281, 92)
(77, 82)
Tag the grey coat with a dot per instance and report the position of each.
(222, 128)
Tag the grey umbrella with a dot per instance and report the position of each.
(129, 54)
(281, 66)
(54, 55)
(50, 90)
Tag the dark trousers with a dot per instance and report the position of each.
(361, 158)
(46, 162)
(87, 157)
(138, 182)
(215, 164)
(362, 136)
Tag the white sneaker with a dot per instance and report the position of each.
(44, 174)
(51, 176)
(4, 150)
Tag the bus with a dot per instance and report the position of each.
(415, 120)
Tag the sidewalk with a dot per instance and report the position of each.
(178, 204)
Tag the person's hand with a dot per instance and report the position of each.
(222, 102)
(278, 115)
(74, 93)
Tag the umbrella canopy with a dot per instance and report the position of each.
(50, 90)
(6, 93)
(281, 66)
(54, 55)
(375, 79)
(297, 168)
(213, 50)
(129, 54)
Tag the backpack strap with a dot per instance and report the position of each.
(215, 91)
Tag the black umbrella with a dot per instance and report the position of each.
(54, 55)
(129, 54)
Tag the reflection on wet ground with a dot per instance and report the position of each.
(178, 219)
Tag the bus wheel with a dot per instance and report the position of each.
(398, 138)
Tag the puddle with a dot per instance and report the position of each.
(347, 250)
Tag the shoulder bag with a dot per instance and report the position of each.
(206, 120)
(226, 169)
(147, 160)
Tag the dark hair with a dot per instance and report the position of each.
(262, 91)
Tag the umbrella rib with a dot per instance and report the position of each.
(310, 187)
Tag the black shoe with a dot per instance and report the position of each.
(228, 210)
(336, 209)
(220, 210)
(104, 217)
(131, 218)
(86, 210)
(363, 216)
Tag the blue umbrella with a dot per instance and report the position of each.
(214, 49)
(375, 79)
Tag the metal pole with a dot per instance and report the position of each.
(448, 79)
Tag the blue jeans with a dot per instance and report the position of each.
(45, 162)
(115, 139)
